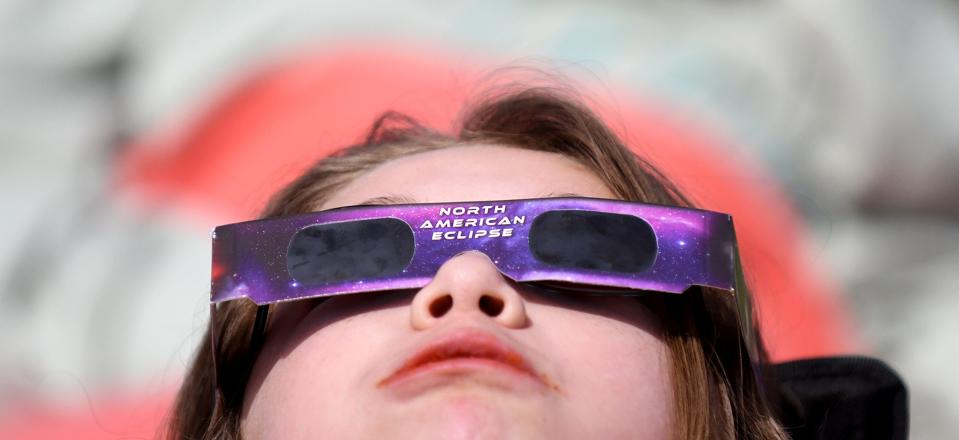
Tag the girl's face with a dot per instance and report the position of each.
(472, 354)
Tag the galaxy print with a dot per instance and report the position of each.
(694, 247)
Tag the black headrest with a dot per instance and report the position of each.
(842, 398)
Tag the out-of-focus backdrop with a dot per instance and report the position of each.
(850, 107)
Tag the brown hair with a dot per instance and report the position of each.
(716, 393)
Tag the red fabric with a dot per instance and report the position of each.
(130, 416)
(274, 125)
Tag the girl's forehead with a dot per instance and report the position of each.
(473, 172)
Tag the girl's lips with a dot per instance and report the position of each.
(465, 349)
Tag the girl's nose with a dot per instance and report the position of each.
(468, 285)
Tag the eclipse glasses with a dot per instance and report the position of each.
(596, 246)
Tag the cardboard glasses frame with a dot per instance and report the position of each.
(586, 245)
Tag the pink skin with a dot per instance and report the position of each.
(567, 367)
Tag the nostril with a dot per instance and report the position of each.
(441, 305)
(490, 305)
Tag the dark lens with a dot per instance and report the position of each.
(593, 240)
(350, 251)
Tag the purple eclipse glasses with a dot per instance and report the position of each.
(596, 246)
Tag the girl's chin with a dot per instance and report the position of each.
(457, 413)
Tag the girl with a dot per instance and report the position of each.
(469, 351)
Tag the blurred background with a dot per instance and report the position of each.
(118, 120)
